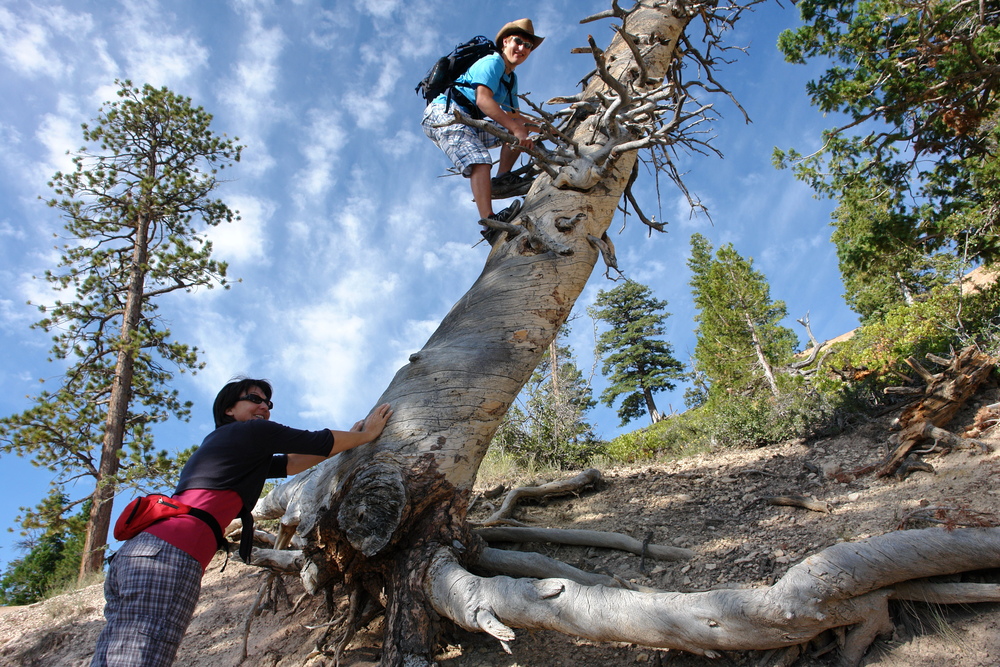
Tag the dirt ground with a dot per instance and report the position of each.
(713, 504)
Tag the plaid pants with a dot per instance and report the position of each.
(151, 591)
(464, 145)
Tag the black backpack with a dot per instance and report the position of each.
(446, 70)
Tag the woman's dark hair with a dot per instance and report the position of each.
(231, 393)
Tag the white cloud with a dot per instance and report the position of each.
(223, 343)
(250, 91)
(28, 42)
(244, 240)
(328, 345)
(153, 53)
(452, 256)
(321, 144)
(58, 134)
(402, 143)
(369, 112)
(380, 9)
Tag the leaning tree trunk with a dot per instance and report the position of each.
(384, 511)
(99, 523)
(386, 523)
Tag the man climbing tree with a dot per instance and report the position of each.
(385, 526)
(638, 363)
(135, 206)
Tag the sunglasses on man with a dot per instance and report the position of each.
(523, 44)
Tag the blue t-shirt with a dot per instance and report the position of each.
(488, 71)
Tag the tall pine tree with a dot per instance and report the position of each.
(550, 426)
(135, 207)
(637, 361)
(740, 340)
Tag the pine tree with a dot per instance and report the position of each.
(638, 363)
(917, 187)
(135, 207)
(552, 426)
(54, 547)
(740, 340)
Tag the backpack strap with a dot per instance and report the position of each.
(246, 535)
(220, 539)
(468, 106)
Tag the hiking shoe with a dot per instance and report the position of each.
(508, 213)
(505, 180)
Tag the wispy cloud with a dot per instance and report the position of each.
(250, 89)
(155, 53)
(321, 143)
(28, 40)
(243, 242)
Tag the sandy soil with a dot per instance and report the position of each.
(713, 505)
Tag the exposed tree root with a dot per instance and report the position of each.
(846, 586)
(799, 501)
(552, 489)
(585, 538)
(946, 392)
(539, 566)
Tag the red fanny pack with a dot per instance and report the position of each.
(142, 513)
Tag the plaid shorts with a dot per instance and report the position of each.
(464, 145)
(151, 591)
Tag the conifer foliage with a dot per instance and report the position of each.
(636, 361)
(136, 206)
(548, 425)
(913, 164)
(740, 340)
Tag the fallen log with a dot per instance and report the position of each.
(945, 394)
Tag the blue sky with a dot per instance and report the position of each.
(352, 247)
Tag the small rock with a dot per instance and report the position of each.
(642, 657)
(854, 497)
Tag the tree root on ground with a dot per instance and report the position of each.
(585, 538)
(845, 588)
(564, 487)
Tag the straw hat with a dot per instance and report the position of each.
(520, 26)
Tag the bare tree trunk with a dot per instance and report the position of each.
(654, 414)
(554, 365)
(761, 357)
(396, 505)
(99, 523)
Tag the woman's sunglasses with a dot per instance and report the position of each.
(254, 398)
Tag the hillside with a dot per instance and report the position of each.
(713, 505)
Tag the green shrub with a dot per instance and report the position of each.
(940, 322)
